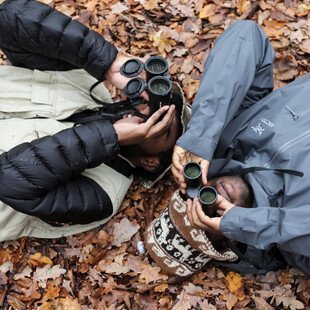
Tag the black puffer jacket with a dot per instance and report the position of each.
(35, 36)
(43, 178)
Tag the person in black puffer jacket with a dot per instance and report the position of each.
(47, 177)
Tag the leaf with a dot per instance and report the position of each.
(43, 274)
(236, 284)
(150, 4)
(305, 46)
(261, 304)
(26, 273)
(207, 11)
(119, 8)
(151, 274)
(38, 259)
(67, 304)
(243, 6)
(123, 231)
(162, 40)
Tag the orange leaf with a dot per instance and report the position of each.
(38, 259)
(236, 284)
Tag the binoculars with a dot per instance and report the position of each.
(207, 195)
(158, 82)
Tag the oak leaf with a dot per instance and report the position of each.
(150, 5)
(207, 11)
(151, 274)
(43, 274)
(38, 259)
(123, 231)
(236, 284)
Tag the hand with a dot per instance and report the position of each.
(133, 130)
(180, 158)
(114, 76)
(200, 220)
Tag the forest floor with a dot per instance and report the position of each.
(106, 268)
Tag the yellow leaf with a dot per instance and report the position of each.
(207, 11)
(236, 284)
(38, 259)
(243, 5)
(150, 4)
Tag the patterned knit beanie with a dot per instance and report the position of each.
(177, 247)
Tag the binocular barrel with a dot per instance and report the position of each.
(155, 66)
(207, 198)
(207, 195)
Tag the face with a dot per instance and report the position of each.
(234, 189)
(164, 141)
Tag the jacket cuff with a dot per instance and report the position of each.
(102, 63)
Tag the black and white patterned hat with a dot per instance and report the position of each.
(176, 246)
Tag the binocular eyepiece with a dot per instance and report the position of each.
(207, 195)
(158, 82)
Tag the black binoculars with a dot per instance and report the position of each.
(158, 82)
(207, 195)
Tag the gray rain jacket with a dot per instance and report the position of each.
(267, 134)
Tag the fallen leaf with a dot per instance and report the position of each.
(38, 259)
(43, 274)
(123, 231)
(151, 274)
(236, 284)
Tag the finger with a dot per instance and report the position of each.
(161, 126)
(196, 220)
(209, 224)
(204, 164)
(223, 203)
(178, 157)
(189, 210)
(179, 179)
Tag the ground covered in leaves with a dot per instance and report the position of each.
(107, 268)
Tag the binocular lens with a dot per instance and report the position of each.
(192, 173)
(207, 195)
(160, 86)
(156, 65)
(134, 88)
(132, 68)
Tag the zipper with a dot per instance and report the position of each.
(286, 146)
(295, 115)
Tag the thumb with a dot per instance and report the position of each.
(204, 164)
(223, 203)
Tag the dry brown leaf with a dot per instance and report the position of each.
(123, 231)
(150, 4)
(43, 274)
(261, 304)
(119, 8)
(151, 274)
(207, 11)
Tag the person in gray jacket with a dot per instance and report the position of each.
(253, 145)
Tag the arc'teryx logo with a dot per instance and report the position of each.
(258, 129)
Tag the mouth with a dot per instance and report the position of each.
(226, 190)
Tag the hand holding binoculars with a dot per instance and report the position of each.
(158, 84)
(207, 195)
